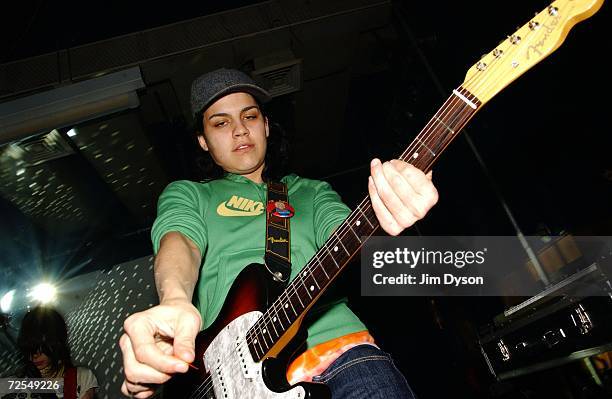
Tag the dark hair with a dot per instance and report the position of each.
(43, 330)
(277, 152)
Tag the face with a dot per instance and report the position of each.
(40, 360)
(235, 133)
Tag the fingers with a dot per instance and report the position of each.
(144, 348)
(386, 220)
(420, 182)
(135, 390)
(136, 372)
(184, 338)
(401, 194)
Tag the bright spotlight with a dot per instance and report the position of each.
(6, 301)
(43, 293)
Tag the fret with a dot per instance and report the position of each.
(353, 231)
(313, 278)
(425, 145)
(339, 256)
(360, 227)
(274, 326)
(322, 265)
(291, 303)
(444, 124)
(366, 218)
(345, 250)
(277, 318)
(298, 297)
(256, 341)
(262, 337)
(285, 311)
(267, 330)
(305, 287)
(333, 259)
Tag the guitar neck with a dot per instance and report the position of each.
(346, 241)
(530, 44)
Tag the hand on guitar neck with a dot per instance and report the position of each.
(400, 193)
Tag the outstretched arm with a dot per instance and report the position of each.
(160, 341)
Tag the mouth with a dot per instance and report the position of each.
(243, 147)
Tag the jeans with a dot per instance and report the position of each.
(365, 372)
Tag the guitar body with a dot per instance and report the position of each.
(225, 367)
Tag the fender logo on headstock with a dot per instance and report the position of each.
(549, 29)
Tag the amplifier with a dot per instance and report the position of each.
(568, 321)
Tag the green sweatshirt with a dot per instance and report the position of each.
(226, 219)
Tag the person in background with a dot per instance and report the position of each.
(43, 342)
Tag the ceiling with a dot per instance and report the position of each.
(354, 80)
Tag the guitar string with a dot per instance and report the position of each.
(367, 203)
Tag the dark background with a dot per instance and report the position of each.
(544, 145)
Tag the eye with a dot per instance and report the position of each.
(250, 117)
(220, 124)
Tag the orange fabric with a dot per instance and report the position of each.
(318, 358)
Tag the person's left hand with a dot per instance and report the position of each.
(401, 194)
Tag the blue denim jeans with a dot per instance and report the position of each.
(365, 372)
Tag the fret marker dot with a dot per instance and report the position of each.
(255, 341)
(312, 288)
(274, 319)
(336, 249)
(416, 155)
(358, 222)
(263, 331)
(286, 305)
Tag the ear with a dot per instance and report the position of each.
(202, 141)
(267, 128)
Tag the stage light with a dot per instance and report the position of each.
(6, 301)
(72, 132)
(43, 293)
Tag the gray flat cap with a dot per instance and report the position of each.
(211, 86)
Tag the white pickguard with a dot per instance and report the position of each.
(232, 369)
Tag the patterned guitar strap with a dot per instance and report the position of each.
(278, 238)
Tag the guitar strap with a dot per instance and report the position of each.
(278, 253)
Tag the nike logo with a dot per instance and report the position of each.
(239, 206)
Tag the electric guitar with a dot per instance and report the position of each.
(238, 356)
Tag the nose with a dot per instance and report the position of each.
(240, 130)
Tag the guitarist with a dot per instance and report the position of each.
(200, 226)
